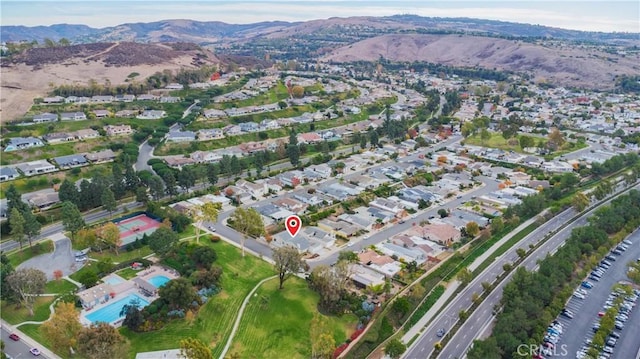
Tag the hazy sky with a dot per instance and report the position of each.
(570, 14)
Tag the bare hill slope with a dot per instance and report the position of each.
(32, 74)
(569, 66)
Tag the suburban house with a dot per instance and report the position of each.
(214, 113)
(101, 113)
(8, 174)
(178, 161)
(95, 295)
(169, 99)
(252, 147)
(210, 134)
(205, 156)
(442, 233)
(58, 137)
(45, 117)
(102, 99)
(151, 115)
(309, 137)
(338, 228)
(42, 201)
(20, 143)
(249, 127)
(365, 277)
(256, 190)
(125, 98)
(291, 178)
(125, 113)
(400, 252)
(181, 136)
(71, 161)
(232, 130)
(73, 116)
(290, 204)
(174, 86)
(115, 130)
(380, 263)
(54, 99)
(387, 205)
(100, 156)
(147, 97)
(323, 170)
(36, 167)
(86, 133)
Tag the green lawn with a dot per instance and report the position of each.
(33, 330)
(59, 286)
(127, 273)
(27, 252)
(15, 314)
(497, 141)
(215, 319)
(122, 256)
(276, 322)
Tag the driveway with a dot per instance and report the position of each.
(62, 258)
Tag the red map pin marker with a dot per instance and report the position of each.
(293, 224)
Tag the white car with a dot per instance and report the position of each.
(578, 295)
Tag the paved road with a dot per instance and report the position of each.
(459, 344)
(62, 259)
(578, 329)
(265, 250)
(57, 228)
(19, 349)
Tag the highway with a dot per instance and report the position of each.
(483, 315)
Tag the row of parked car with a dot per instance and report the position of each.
(599, 271)
(624, 310)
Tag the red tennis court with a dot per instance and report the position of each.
(135, 227)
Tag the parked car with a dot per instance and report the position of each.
(587, 285)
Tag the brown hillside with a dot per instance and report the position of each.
(33, 73)
(569, 66)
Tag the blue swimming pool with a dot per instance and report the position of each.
(158, 281)
(111, 312)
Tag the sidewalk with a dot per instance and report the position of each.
(448, 293)
(440, 303)
(30, 342)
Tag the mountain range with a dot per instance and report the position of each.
(216, 32)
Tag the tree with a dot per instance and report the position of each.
(207, 212)
(363, 142)
(88, 278)
(132, 314)
(497, 225)
(330, 284)
(527, 142)
(131, 179)
(62, 328)
(109, 234)
(31, 225)
(26, 283)
(248, 222)
(179, 293)
(467, 129)
(108, 201)
(71, 218)
(170, 182)
(373, 137)
(69, 192)
(556, 139)
(186, 178)
(521, 252)
(235, 167)
(212, 174)
(465, 276)
(580, 201)
(156, 186)
(348, 256)
(16, 221)
(472, 229)
(141, 194)
(6, 293)
(191, 348)
(102, 341)
(287, 262)
(297, 91)
(395, 348)
(14, 200)
(485, 135)
(322, 342)
(443, 213)
(162, 240)
(293, 151)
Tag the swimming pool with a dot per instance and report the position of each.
(111, 312)
(158, 281)
(112, 280)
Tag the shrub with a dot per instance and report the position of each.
(215, 238)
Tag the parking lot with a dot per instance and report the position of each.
(578, 330)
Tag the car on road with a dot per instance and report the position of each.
(34, 351)
(14, 337)
(212, 228)
(440, 333)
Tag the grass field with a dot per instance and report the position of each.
(127, 273)
(59, 286)
(30, 252)
(122, 255)
(497, 141)
(16, 314)
(276, 322)
(215, 319)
